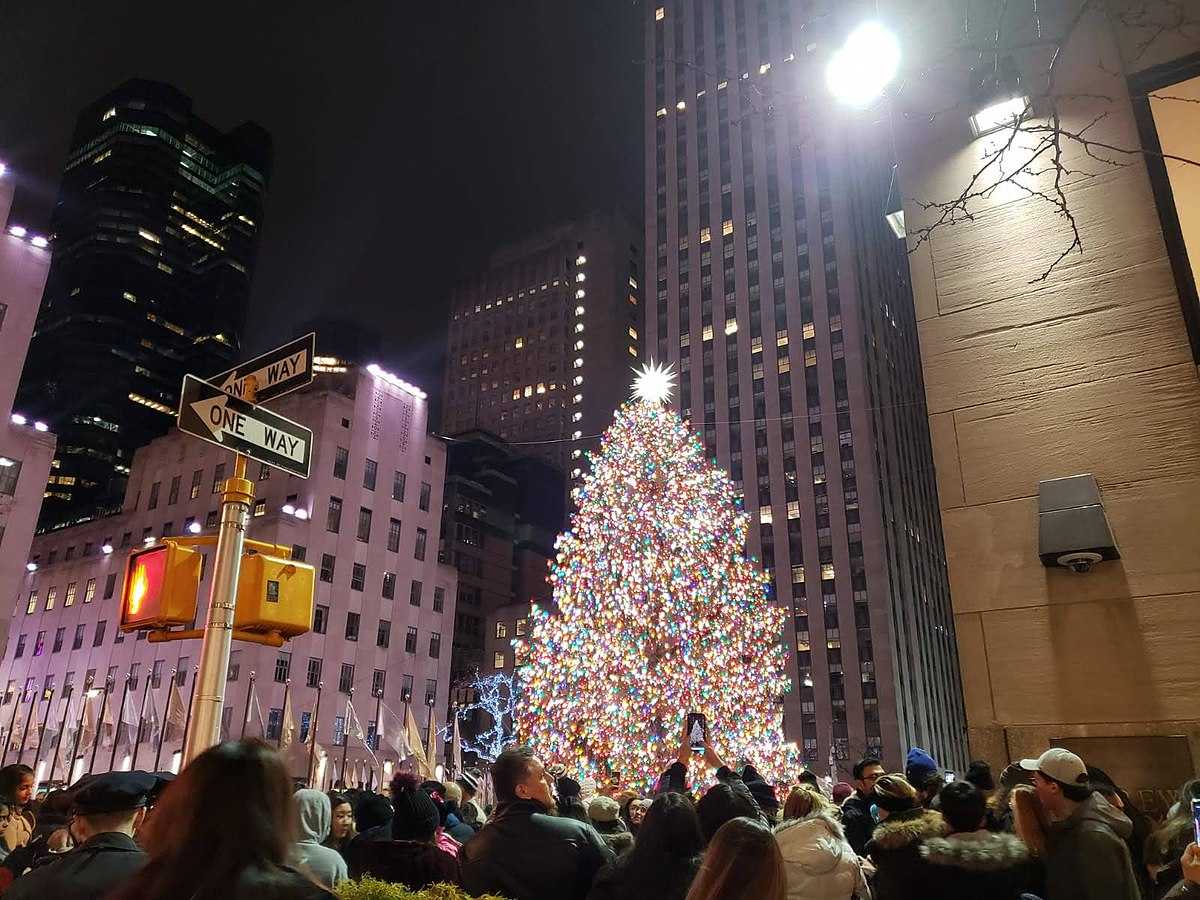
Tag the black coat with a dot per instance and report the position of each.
(616, 882)
(86, 873)
(415, 864)
(524, 854)
(857, 822)
(981, 865)
(895, 849)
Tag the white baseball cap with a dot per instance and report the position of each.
(1061, 765)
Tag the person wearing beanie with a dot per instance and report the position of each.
(841, 792)
(409, 855)
(604, 813)
(922, 772)
(763, 793)
(901, 873)
(472, 811)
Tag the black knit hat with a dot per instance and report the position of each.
(416, 816)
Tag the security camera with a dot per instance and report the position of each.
(1080, 563)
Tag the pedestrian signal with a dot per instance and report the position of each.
(161, 583)
(274, 595)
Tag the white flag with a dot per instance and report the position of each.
(416, 746)
(354, 726)
(431, 753)
(108, 724)
(254, 716)
(130, 719)
(391, 729)
(175, 718)
(150, 721)
(287, 735)
(456, 747)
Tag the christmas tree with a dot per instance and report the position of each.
(659, 613)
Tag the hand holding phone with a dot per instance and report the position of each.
(1196, 819)
(697, 731)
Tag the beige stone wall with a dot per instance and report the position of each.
(1087, 371)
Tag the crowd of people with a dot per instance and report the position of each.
(233, 826)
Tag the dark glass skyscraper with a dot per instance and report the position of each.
(780, 295)
(155, 238)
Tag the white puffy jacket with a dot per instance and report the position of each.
(819, 862)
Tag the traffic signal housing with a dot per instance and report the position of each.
(274, 595)
(161, 584)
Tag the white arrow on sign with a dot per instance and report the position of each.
(219, 419)
(272, 373)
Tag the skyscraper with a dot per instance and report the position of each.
(155, 238)
(542, 341)
(767, 250)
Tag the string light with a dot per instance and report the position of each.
(659, 614)
(497, 695)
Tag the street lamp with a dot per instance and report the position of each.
(862, 68)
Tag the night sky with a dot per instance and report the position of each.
(410, 137)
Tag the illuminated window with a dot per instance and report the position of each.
(827, 572)
(578, 362)
(575, 417)
(579, 310)
(579, 328)
(793, 509)
(519, 343)
(797, 574)
(781, 338)
(528, 390)
(727, 227)
(579, 345)
(765, 515)
(541, 388)
(783, 365)
(810, 357)
(579, 261)
(662, 111)
(708, 333)
(517, 394)
(581, 276)
(578, 398)
(731, 326)
(660, 14)
(632, 351)
(685, 339)
(633, 332)
(808, 331)
(498, 660)
(577, 380)
(681, 105)
(112, 110)
(764, 68)
(580, 294)
(576, 435)
(705, 234)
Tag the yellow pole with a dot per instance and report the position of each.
(209, 697)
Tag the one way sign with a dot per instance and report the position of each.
(273, 374)
(207, 412)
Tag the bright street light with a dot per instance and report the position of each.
(863, 67)
(999, 115)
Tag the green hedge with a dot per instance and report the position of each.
(374, 889)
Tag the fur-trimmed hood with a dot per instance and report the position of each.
(901, 829)
(976, 851)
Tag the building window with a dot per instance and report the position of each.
(197, 477)
(378, 682)
(520, 627)
(154, 489)
(210, 519)
(110, 587)
(39, 644)
(59, 636)
(389, 585)
(430, 691)
(173, 493)
(352, 619)
(283, 667)
(79, 635)
(398, 480)
(341, 462)
(181, 672)
(501, 630)
(134, 672)
(498, 660)
(260, 507)
(358, 577)
(264, 471)
(419, 549)
(9, 476)
(156, 674)
(320, 618)
(364, 524)
(327, 564)
(52, 598)
(312, 677)
(20, 651)
(410, 640)
(218, 477)
(423, 501)
(439, 599)
(274, 723)
(435, 645)
(383, 634)
(333, 517)
(414, 594)
(299, 552)
(31, 605)
(99, 637)
(346, 678)
(393, 541)
(339, 730)
(370, 470)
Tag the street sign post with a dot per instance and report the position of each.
(206, 412)
(271, 375)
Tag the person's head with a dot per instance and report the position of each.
(230, 812)
(111, 802)
(670, 828)
(469, 785)
(7, 811)
(841, 792)
(719, 804)
(370, 810)
(16, 784)
(963, 806)
(1060, 780)
(1029, 819)
(314, 815)
(803, 802)
(894, 794)
(636, 812)
(416, 816)
(919, 765)
(453, 792)
(867, 771)
(979, 773)
(517, 774)
(343, 817)
(742, 862)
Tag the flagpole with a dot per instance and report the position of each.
(137, 741)
(187, 723)
(42, 734)
(12, 723)
(112, 760)
(287, 689)
(62, 729)
(162, 729)
(108, 683)
(28, 719)
(87, 686)
(246, 712)
(346, 737)
(312, 736)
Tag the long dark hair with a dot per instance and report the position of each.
(743, 862)
(227, 817)
(666, 853)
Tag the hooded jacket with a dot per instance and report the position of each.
(820, 864)
(981, 865)
(895, 849)
(314, 817)
(1086, 855)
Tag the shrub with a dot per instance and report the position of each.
(374, 889)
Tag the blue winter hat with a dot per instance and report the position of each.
(919, 765)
